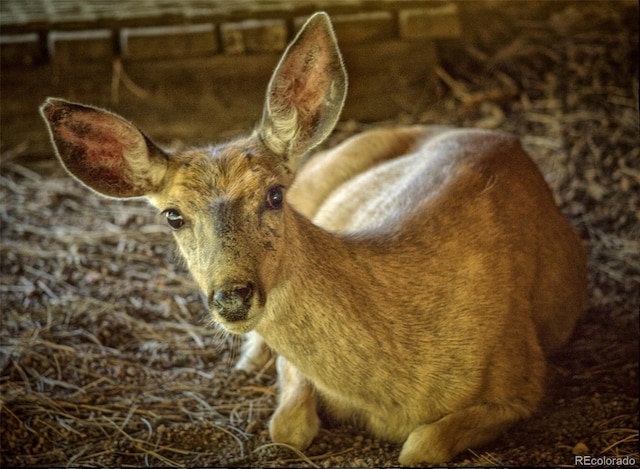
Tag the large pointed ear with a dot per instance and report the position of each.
(103, 151)
(306, 92)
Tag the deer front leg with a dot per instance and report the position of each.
(295, 421)
(255, 353)
(442, 440)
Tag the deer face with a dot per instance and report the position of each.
(225, 206)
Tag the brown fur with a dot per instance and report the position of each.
(412, 280)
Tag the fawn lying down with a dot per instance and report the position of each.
(411, 280)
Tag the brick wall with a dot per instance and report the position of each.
(204, 76)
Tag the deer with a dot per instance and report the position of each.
(413, 280)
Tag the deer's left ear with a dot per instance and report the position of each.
(305, 94)
(104, 151)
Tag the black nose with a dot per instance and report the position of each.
(233, 303)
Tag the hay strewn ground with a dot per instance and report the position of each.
(106, 353)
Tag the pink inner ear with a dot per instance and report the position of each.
(95, 146)
(305, 76)
(315, 87)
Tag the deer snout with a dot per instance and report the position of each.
(233, 302)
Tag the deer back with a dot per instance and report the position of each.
(469, 191)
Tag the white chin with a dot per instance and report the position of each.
(237, 327)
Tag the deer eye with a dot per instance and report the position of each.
(174, 218)
(275, 198)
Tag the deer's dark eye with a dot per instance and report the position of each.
(174, 218)
(275, 197)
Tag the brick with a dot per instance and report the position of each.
(20, 49)
(168, 42)
(364, 27)
(80, 47)
(81, 64)
(254, 36)
(439, 22)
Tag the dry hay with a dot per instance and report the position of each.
(108, 357)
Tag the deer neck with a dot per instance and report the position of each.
(322, 288)
(331, 312)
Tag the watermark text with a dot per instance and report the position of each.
(604, 461)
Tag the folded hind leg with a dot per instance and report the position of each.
(473, 426)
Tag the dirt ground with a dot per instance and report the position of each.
(109, 359)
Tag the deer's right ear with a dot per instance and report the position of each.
(103, 151)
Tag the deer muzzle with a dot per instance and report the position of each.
(233, 302)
